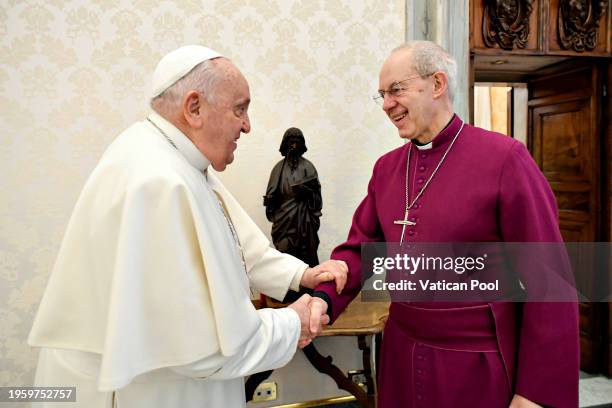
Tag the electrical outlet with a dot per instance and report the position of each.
(357, 377)
(265, 392)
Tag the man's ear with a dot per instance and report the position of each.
(440, 83)
(193, 109)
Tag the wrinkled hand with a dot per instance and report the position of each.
(522, 402)
(302, 307)
(318, 318)
(324, 272)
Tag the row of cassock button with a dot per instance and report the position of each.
(420, 181)
(419, 363)
(419, 370)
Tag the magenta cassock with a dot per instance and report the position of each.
(443, 354)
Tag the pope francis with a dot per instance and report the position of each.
(149, 302)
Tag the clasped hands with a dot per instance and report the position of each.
(312, 313)
(312, 310)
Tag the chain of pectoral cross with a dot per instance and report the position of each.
(220, 201)
(405, 222)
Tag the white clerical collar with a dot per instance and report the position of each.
(424, 147)
(180, 141)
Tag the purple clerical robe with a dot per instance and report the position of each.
(488, 189)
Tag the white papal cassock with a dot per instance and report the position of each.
(149, 304)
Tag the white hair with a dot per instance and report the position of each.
(203, 78)
(428, 57)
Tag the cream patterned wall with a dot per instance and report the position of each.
(73, 74)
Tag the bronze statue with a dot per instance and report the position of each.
(293, 200)
(293, 205)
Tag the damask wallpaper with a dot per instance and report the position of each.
(73, 74)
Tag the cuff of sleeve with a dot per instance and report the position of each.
(297, 278)
(292, 315)
(325, 297)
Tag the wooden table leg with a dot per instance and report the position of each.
(324, 365)
(367, 367)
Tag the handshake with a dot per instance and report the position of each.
(313, 310)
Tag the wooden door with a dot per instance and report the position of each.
(565, 138)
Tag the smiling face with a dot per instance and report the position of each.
(225, 118)
(411, 111)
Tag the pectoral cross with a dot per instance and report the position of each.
(403, 223)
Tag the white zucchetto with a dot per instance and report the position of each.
(177, 64)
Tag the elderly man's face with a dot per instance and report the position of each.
(411, 110)
(226, 119)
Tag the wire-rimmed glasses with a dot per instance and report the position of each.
(396, 89)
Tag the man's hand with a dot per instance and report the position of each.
(318, 318)
(324, 272)
(302, 307)
(522, 402)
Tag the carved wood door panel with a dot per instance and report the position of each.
(564, 138)
(579, 26)
(541, 27)
(564, 145)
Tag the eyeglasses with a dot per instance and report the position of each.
(395, 90)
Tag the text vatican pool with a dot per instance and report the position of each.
(431, 285)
